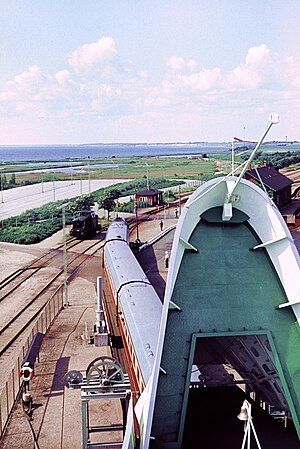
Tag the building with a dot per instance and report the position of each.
(279, 184)
(149, 198)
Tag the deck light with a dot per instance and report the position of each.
(245, 415)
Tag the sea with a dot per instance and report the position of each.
(42, 153)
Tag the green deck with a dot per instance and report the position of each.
(224, 287)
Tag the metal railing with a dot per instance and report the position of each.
(11, 388)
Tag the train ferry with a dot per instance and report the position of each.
(226, 338)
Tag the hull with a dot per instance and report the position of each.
(236, 288)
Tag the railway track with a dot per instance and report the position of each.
(12, 330)
(24, 317)
(16, 324)
(20, 275)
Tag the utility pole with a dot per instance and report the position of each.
(80, 174)
(53, 186)
(179, 200)
(148, 187)
(1, 182)
(89, 175)
(2, 200)
(136, 219)
(65, 255)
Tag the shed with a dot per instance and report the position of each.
(279, 184)
(148, 198)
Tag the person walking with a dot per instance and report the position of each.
(161, 224)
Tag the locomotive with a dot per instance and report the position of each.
(86, 225)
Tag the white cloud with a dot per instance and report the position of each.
(32, 74)
(143, 74)
(121, 92)
(191, 64)
(179, 64)
(95, 52)
(253, 72)
(203, 80)
(176, 63)
(62, 76)
(258, 55)
(244, 76)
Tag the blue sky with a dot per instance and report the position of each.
(111, 71)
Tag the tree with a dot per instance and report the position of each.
(83, 203)
(107, 203)
(114, 193)
(12, 180)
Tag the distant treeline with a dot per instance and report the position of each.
(277, 159)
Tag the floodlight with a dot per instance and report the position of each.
(274, 118)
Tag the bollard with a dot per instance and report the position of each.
(166, 259)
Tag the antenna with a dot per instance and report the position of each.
(274, 119)
(227, 208)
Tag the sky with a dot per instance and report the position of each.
(88, 71)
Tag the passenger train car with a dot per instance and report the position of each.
(138, 307)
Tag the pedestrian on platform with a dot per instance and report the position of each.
(176, 213)
(167, 259)
(161, 224)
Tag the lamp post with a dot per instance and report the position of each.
(72, 174)
(89, 175)
(147, 165)
(80, 172)
(53, 182)
(2, 199)
(65, 259)
(136, 219)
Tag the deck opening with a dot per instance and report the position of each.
(226, 370)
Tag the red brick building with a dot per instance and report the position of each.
(149, 198)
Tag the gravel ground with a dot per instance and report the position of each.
(57, 412)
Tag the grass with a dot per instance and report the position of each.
(179, 167)
(39, 223)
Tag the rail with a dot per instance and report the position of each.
(157, 237)
(10, 390)
(43, 319)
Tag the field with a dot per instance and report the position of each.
(173, 167)
(182, 167)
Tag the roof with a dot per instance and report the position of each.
(148, 192)
(271, 178)
(136, 296)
